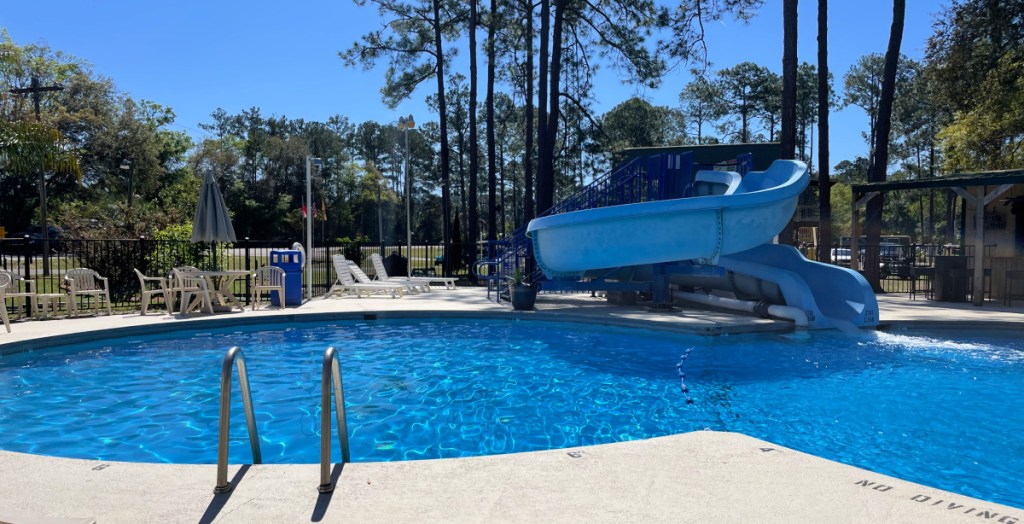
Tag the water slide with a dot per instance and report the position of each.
(728, 223)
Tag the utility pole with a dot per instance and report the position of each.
(35, 90)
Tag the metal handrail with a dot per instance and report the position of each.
(331, 374)
(234, 355)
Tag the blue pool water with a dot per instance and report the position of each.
(930, 410)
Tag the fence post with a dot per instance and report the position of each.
(248, 269)
(143, 259)
(27, 250)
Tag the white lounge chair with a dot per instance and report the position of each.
(12, 290)
(5, 280)
(363, 278)
(148, 293)
(269, 279)
(346, 284)
(382, 275)
(84, 282)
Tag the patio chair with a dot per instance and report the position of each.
(382, 275)
(86, 283)
(269, 279)
(13, 290)
(195, 291)
(148, 293)
(5, 281)
(345, 284)
(363, 278)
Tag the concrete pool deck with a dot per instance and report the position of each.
(692, 477)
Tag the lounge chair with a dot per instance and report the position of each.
(195, 291)
(148, 293)
(345, 284)
(382, 275)
(5, 280)
(14, 291)
(84, 282)
(363, 278)
(269, 279)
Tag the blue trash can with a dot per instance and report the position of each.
(291, 262)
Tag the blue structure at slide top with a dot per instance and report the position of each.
(643, 179)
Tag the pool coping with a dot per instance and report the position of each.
(689, 477)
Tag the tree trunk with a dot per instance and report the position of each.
(492, 177)
(788, 133)
(824, 187)
(883, 125)
(474, 143)
(446, 194)
(528, 208)
(542, 107)
(546, 193)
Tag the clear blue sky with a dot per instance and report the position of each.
(197, 56)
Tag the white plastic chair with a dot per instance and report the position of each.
(84, 282)
(5, 281)
(195, 292)
(148, 293)
(12, 290)
(382, 275)
(269, 279)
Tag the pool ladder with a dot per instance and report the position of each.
(331, 375)
(234, 356)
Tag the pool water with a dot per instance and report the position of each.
(930, 410)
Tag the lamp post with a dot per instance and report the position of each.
(406, 124)
(310, 161)
(126, 165)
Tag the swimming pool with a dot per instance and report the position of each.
(932, 411)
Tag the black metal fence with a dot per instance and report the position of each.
(913, 269)
(918, 268)
(117, 260)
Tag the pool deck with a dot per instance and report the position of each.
(693, 477)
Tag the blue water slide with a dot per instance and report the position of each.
(728, 222)
(830, 296)
(730, 216)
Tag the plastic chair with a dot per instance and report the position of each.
(148, 294)
(195, 292)
(5, 281)
(13, 291)
(84, 282)
(269, 279)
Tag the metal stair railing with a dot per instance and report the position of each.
(331, 374)
(234, 355)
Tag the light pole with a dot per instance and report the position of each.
(126, 165)
(406, 124)
(310, 161)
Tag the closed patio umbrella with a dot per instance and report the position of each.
(212, 222)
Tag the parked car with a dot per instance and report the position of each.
(35, 233)
(841, 256)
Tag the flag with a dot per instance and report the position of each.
(304, 213)
(323, 209)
